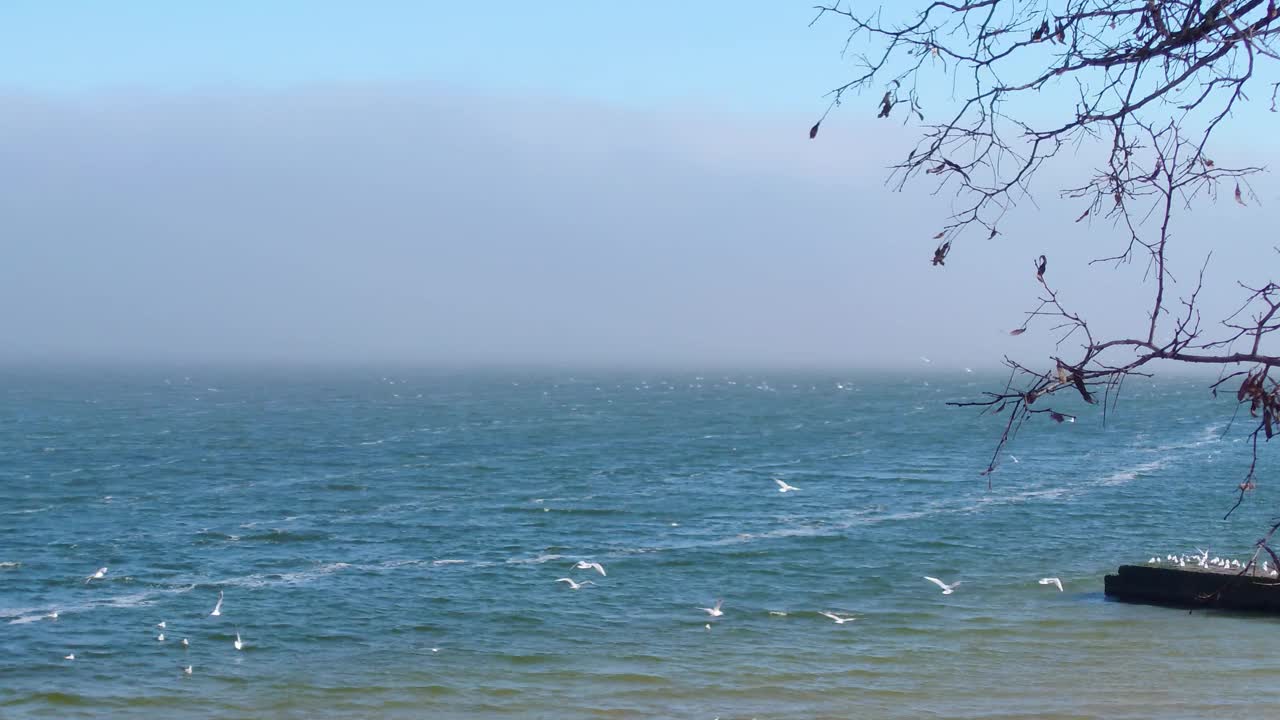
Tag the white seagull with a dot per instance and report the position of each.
(54, 615)
(160, 637)
(185, 643)
(217, 609)
(575, 585)
(237, 644)
(714, 611)
(584, 565)
(839, 620)
(186, 670)
(161, 625)
(72, 656)
(783, 486)
(946, 589)
(101, 573)
(1052, 581)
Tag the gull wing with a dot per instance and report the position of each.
(939, 583)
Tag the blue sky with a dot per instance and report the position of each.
(563, 182)
(741, 55)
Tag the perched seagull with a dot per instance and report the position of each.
(584, 565)
(102, 572)
(237, 644)
(160, 637)
(946, 589)
(161, 625)
(715, 611)
(217, 609)
(575, 585)
(186, 670)
(839, 620)
(72, 656)
(185, 643)
(1052, 581)
(783, 486)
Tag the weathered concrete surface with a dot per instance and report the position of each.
(1194, 587)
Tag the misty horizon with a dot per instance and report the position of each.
(420, 227)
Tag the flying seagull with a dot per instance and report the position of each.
(101, 573)
(237, 644)
(575, 585)
(584, 565)
(161, 625)
(186, 670)
(217, 609)
(946, 589)
(839, 620)
(783, 486)
(715, 611)
(1052, 581)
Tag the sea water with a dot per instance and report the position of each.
(388, 545)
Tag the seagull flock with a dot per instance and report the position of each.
(1202, 560)
(163, 625)
(717, 610)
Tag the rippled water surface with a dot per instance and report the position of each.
(388, 547)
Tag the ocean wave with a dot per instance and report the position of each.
(299, 577)
(534, 560)
(1125, 475)
(28, 511)
(139, 599)
(287, 536)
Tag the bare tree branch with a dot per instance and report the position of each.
(1152, 82)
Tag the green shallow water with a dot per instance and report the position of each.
(357, 521)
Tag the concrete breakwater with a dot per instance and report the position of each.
(1194, 588)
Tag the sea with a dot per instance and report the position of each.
(390, 544)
